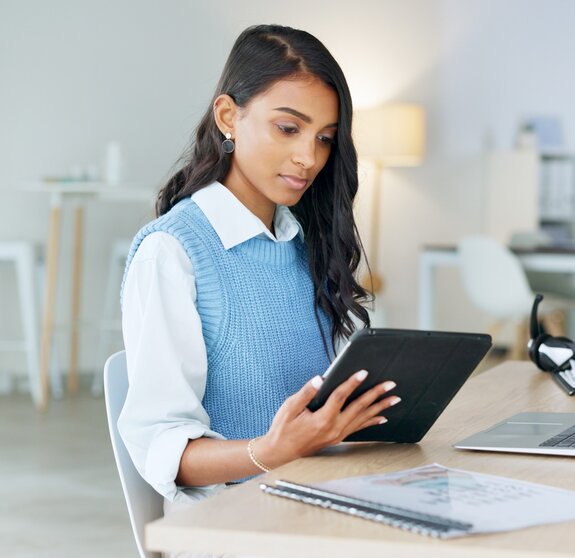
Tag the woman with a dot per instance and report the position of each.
(232, 303)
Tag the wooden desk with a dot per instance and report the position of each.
(243, 520)
(77, 193)
(546, 259)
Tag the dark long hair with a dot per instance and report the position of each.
(261, 56)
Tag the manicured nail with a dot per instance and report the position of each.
(382, 420)
(389, 385)
(361, 375)
(395, 401)
(316, 382)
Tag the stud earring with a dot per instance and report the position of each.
(228, 144)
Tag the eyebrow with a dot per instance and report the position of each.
(302, 116)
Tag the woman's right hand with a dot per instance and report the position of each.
(296, 431)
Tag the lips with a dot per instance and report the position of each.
(294, 182)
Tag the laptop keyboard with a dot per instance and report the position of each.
(565, 439)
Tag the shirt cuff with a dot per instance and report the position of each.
(165, 453)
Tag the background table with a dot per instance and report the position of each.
(243, 520)
(78, 193)
(548, 259)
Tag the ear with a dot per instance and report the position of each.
(225, 113)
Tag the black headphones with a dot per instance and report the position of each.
(541, 350)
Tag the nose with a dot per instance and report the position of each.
(304, 154)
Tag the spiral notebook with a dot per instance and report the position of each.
(437, 501)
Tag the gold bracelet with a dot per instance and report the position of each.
(254, 459)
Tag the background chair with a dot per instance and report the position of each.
(144, 503)
(496, 283)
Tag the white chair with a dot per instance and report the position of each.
(495, 282)
(493, 278)
(144, 503)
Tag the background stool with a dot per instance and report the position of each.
(111, 324)
(24, 256)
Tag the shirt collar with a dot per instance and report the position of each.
(234, 223)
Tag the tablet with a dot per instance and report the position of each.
(428, 367)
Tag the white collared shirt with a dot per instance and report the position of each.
(165, 348)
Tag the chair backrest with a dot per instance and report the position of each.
(493, 278)
(144, 503)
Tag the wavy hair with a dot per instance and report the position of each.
(261, 56)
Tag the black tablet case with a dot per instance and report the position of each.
(428, 367)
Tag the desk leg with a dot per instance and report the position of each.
(426, 309)
(428, 262)
(52, 255)
(76, 293)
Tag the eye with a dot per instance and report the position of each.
(286, 129)
(326, 140)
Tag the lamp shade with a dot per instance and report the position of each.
(393, 133)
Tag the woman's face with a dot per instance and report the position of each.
(283, 139)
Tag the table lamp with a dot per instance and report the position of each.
(389, 135)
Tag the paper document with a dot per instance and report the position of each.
(488, 503)
(437, 501)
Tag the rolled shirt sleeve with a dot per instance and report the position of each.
(167, 364)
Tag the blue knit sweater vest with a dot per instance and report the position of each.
(256, 304)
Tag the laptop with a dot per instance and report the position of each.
(540, 433)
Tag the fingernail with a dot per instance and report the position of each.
(395, 401)
(382, 420)
(389, 385)
(361, 375)
(316, 382)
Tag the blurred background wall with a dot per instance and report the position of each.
(77, 74)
